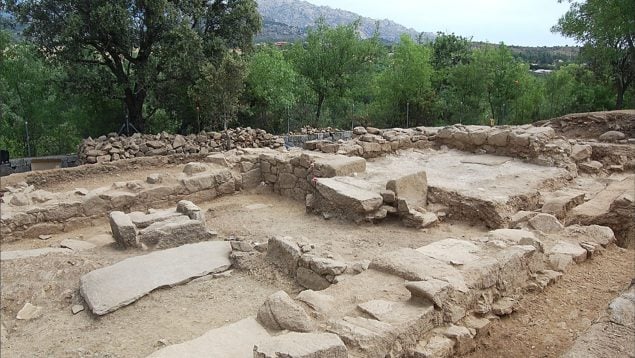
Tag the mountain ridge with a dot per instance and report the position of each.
(290, 20)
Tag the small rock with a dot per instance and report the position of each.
(81, 191)
(154, 178)
(225, 274)
(503, 307)
(581, 152)
(45, 237)
(590, 167)
(77, 309)
(19, 199)
(29, 312)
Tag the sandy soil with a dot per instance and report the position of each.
(548, 322)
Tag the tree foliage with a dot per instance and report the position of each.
(139, 45)
(606, 28)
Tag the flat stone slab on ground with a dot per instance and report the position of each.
(234, 340)
(112, 287)
(77, 245)
(302, 345)
(23, 254)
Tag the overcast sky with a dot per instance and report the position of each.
(515, 22)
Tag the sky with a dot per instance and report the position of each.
(515, 22)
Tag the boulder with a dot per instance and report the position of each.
(411, 187)
(611, 136)
(347, 196)
(284, 253)
(194, 168)
(280, 312)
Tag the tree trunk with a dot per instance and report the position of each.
(621, 89)
(319, 107)
(134, 105)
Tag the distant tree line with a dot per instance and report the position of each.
(174, 66)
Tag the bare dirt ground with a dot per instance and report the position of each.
(546, 325)
(548, 322)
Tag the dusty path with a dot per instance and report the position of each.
(548, 322)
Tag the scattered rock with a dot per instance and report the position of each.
(575, 251)
(580, 152)
(591, 167)
(29, 312)
(123, 230)
(77, 308)
(45, 237)
(504, 306)
(154, 178)
(194, 168)
(319, 302)
(436, 347)
(280, 312)
(311, 280)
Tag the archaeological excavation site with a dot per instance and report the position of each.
(457, 241)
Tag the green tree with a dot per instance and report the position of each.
(272, 86)
(219, 91)
(138, 45)
(405, 86)
(333, 60)
(607, 30)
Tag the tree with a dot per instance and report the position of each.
(607, 30)
(332, 59)
(219, 91)
(272, 85)
(405, 85)
(139, 45)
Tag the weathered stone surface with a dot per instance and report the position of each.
(591, 167)
(413, 265)
(580, 152)
(75, 309)
(411, 187)
(319, 302)
(284, 253)
(324, 266)
(348, 196)
(452, 251)
(19, 199)
(340, 165)
(546, 223)
(577, 253)
(559, 206)
(370, 335)
(311, 280)
(154, 178)
(174, 232)
(503, 307)
(604, 339)
(232, 340)
(123, 230)
(418, 219)
(142, 220)
(112, 287)
(436, 347)
(29, 312)
(602, 235)
(560, 262)
(433, 290)
(195, 168)
(516, 237)
(188, 208)
(478, 324)
(76, 245)
(388, 196)
(612, 136)
(22, 254)
(302, 345)
(463, 338)
(280, 312)
(622, 309)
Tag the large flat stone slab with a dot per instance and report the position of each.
(340, 165)
(349, 194)
(112, 287)
(302, 345)
(234, 340)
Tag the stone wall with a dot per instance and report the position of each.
(29, 212)
(114, 147)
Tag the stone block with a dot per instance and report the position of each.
(411, 187)
(123, 230)
(302, 345)
(280, 312)
(284, 253)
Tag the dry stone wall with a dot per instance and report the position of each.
(113, 147)
(31, 212)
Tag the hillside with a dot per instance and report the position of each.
(289, 20)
